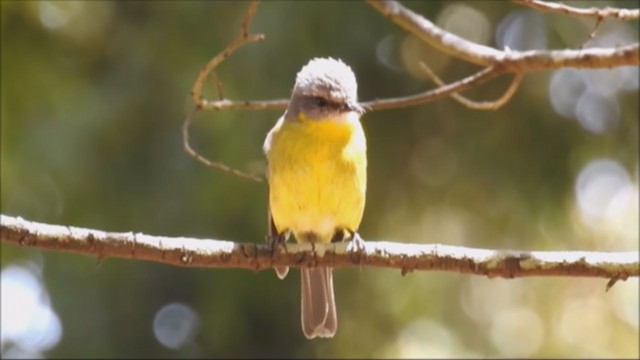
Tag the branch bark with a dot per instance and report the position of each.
(511, 61)
(593, 12)
(204, 253)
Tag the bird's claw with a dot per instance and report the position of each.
(357, 244)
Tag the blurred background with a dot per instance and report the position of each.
(93, 97)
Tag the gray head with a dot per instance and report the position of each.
(325, 87)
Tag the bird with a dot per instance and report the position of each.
(317, 178)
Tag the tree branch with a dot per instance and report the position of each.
(200, 103)
(476, 105)
(495, 62)
(244, 38)
(437, 93)
(599, 13)
(511, 61)
(505, 61)
(191, 252)
(214, 164)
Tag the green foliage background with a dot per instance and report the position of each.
(91, 115)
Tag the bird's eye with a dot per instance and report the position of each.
(320, 101)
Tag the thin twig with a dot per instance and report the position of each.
(243, 39)
(440, 92)
(204, 253)
(226, 104)
(201, 103)
(381, 104)
(476, 105)
(218, 85)
(202, 159)
(607, 12)
(592, 34)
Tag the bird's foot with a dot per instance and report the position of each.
(357, 244)
(277, 242)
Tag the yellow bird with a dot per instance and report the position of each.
(317, 171)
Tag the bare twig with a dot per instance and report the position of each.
(201, 103)
(440, 92)
(214, 164)
(440, 39)
(476, 105)
(224, 104)
(496, 62)
(607, 12)
(511, 61)
(382, 104)
(592, 34)
(503, 61)
(244, 38)
(218, 85)
(251, 12)
(406, 257)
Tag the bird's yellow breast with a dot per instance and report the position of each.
(317, 175)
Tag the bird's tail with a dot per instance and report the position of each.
(318, 303)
